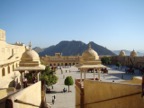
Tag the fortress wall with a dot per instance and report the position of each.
(110, 95)
(29, 97)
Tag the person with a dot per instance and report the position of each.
(25, 82)
(34, 79)
(64, 90)
(52, 101)
(63, 76)
(54, 97)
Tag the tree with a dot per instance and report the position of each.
(49, 77)
(106, 60)
(118, 64)
(69, 81)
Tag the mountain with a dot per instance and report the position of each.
(127, 52)
(38, 49)
(68, 48)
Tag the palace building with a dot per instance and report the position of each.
(10, 55)
(17, 61)
(59, 60)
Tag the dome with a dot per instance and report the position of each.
(90, 54)
(122, 53)
(30, 55)
(133, 53)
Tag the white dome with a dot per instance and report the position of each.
(30, 55)
(133, 53)
(90, 54)
(122, 53)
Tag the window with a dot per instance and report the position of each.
(8, 70)
(3, 72)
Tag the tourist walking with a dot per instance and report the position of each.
(53, 101)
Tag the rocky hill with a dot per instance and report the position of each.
(68, 48)
(38, 49)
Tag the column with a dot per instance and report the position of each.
(38, 76)
(21, 79)
(80, 76)
(99, 72)
(85, 74)
(94, 74)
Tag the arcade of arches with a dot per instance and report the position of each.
(59, 60)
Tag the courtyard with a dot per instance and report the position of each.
(67, 99)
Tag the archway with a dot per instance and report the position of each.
(16, 65)
(8, 69)
(13, 67)
(3, 72)
(69, 64)
(66, 64)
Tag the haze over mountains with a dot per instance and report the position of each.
(68, 48)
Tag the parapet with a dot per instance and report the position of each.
(2, 35)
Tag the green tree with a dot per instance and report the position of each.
(49, 77)
(69, 81)
(106, 60)
(118, 64)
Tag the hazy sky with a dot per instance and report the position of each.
(115, 24)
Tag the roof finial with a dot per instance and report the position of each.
(89, 45)
(30, 45)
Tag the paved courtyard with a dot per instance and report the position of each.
(67, 100)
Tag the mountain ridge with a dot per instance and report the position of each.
(72, 48)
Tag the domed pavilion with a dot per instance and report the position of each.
(30, 63)
(122, 53)
(133, 54)
(90, 61)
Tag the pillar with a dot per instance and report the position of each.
(99, 72)
(80, 76)
(94, 74)
(84, 74)
(21, 78)
(38, 76)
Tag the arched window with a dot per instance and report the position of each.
(66, 64)
(8, 69)
(16, 65)
(13, 67)
(3, 72)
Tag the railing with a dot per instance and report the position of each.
(26, 103)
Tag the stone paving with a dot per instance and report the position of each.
(67, 99)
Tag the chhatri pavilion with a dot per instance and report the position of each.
(30, 63)
(90, 61)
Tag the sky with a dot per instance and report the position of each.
(114, 24)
